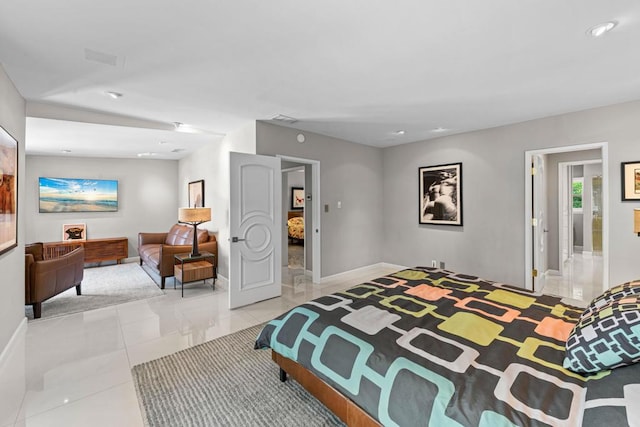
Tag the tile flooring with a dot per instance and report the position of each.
(75, 370)
(582, 279)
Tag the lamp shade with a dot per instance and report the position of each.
(636, 221)
(194, 215)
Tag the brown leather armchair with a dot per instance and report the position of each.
(157, 250)
(45, 278)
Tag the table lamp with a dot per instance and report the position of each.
(195, 217)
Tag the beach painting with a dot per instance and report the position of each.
(78, 195)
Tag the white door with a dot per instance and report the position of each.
(539, 226)
(255, 210)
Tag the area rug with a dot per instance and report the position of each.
(101, 287)
(224, 382)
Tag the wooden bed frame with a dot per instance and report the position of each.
(294, 214)
(341, 406)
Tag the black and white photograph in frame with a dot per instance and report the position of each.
(440, 194)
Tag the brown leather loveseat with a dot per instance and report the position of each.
(46, 278)
(157, 250)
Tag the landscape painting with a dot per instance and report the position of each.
(78, 195)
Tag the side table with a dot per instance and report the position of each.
(187, 269)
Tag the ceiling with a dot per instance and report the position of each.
(357, 70)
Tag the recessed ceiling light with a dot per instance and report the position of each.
(147, 154)
(66, 151)
(114, 95)
(162, 142)
(400, 132)
(439, 130)
(601, 29)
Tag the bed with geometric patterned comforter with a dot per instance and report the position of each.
(431, 347)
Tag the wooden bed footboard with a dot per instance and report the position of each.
(340, 405)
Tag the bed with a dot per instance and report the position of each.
(295, 225)
(425, 346)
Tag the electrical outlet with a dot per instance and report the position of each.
(434, 263)
(442, 265)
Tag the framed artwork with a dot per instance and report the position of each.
(196, 194)
(8, 191)
(631, 181)
(440, 194)
(77, 195)
(74, 232)
(297, 198)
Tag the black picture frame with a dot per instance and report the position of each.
(297, 198)
(440, 194)
(8, 191)
(630, 181)
(196, 194)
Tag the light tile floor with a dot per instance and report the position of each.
(582, 279)
(75, 370)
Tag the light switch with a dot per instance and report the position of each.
(339, 204)
(326, 208)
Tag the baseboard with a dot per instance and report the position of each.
(587, 254)
(21, 329)
(359, 269)
(222, 282)
(390, 265)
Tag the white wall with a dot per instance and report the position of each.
(349, 173)
(147, 197)
(12, 119)
(211, 163)
(491, 242)
(294, 179)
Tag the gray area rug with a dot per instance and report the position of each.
(224, 382)
(101, 287)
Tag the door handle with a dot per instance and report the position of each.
(235, 239)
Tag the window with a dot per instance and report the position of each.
(577, 185)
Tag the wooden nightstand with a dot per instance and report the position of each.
(189, 269)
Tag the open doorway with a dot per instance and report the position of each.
(301, 200)
(293, 193)
(566, 204)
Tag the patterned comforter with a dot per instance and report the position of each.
(296, 227)
(430, 347)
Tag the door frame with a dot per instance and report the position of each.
(316, 257)
(528, 193)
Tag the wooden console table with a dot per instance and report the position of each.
(95, 250)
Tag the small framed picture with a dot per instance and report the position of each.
(440, 194)
(631, 181)
(196, 194)
(297, 198)
(74, 232)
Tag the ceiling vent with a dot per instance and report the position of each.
(285, 119)
(177, 150)
(101, 57)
